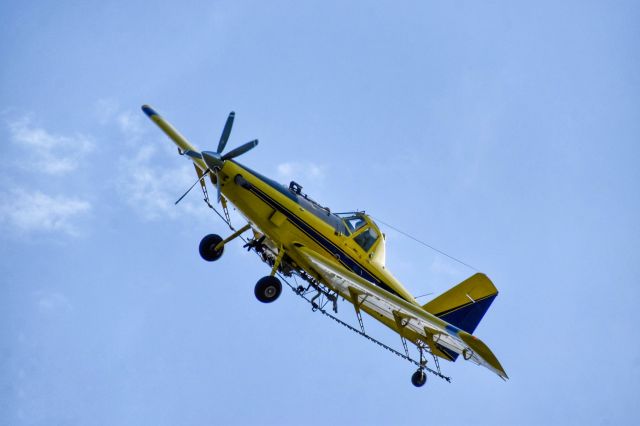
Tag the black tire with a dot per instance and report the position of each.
(207, 245)
(419, 378)
(268, 289)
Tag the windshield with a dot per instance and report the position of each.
(366, 239)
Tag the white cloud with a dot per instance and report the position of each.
(36, 211)
(148, 188)
(49, 153)
(152, 190)
(105, 110)
(130, 123)
(301, 172)
(149, 184)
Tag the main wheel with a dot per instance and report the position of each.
(268, 289)
(419, 378)
(207, 247)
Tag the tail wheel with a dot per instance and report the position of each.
(268, 289)
(419, 378)
(207, 247)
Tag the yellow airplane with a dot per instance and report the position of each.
(337, 255)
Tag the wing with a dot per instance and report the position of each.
(407, 319)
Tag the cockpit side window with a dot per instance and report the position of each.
(354, 223)
(366, 239)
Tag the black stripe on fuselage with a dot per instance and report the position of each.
(349, 263)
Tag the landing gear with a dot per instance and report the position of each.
(268, 289)
(419, 378)
(208, 247)
(212, 246)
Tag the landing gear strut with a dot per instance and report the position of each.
(269, 288)
(419, 378)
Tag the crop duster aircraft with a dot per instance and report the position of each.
(337, 255)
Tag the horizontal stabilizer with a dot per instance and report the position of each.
(465, 304)
(478, 346)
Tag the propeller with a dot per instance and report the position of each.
(215, 160)
(224, 137)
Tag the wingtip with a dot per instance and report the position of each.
(149, 111)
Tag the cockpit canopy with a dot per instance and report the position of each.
(356, 225)
(363, 231)
(353, 221)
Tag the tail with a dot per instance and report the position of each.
(465, 304)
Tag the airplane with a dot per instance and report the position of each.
(338, 255)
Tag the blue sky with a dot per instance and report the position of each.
(505, 134)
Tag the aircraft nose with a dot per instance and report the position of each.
(212, 159)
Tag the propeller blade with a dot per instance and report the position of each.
(168, 129)
(225, 132)
(218, 187)
(240, 150)
(191, 187)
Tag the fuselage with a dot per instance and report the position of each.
(291, 219)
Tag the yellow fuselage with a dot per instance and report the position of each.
(282, 217)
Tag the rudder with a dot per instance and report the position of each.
(465, 304)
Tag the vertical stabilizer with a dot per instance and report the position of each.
(465, 304)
